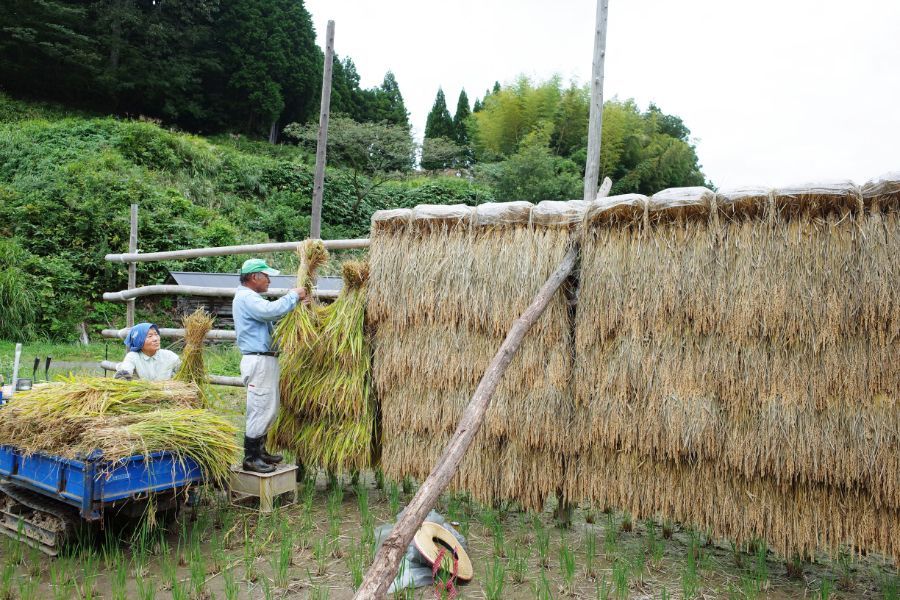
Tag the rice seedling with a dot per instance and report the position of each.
(610, 536)
(492, 521)
(146, 588)
(267, 589)
(394, 498)
(890, 586)
(760, 565)
(119, 583)
(356, 564)
(179, 590)
(518, 562)
(321, 552)
(542, 541)
(28, 588)
(620, 578)
(7, 577)
(193, 367)
(794, 567)
(169, 569)
(284, 557)
(230, 585)
(495, 580)
(664, 594)
(603, 589)
(826, 586)
(198, 572)
(590, 553)
(35, 563)
(655, 547)
(319, 593)
(90, 569)
(540, 588)
(567, 565)
(627, 524)
(60, 579)
(690, 580)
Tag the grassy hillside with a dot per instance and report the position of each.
(67, 180)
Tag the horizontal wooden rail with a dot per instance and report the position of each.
(135, 257)
(216, 379)
(166, 332)
(196, 290)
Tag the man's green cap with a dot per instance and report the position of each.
(257, 265)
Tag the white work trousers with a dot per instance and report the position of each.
(260, 375)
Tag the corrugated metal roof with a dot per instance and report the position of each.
(232, 280)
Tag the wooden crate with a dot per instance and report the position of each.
(264, 487)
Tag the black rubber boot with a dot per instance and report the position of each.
(253, 462)
(272, 459)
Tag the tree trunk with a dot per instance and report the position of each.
(273, 132)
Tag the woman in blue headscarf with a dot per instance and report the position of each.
(145, 359)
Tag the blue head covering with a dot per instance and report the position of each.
(135, 339)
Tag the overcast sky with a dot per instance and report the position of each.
(773, 91)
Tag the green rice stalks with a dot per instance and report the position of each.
(328, 417)
(193, 368)
(198, 434)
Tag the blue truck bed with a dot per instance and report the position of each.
(92, 483)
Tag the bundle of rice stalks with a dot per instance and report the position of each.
(201, 435)
(193, 368)
(121, 419)
(327, 416)
(447, 284)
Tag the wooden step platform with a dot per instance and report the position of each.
(264, 488)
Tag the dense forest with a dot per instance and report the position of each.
(205, 113)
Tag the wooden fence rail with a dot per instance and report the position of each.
(134, 257)
(196, 290)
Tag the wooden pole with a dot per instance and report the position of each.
(315, 226)
(198, 290)
(132, 268)
(595, 125)
(387, 561)
(231, 250)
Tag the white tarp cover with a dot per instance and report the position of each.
(743, 194)
(435, 212)
(394, 214)
(611, 203)
(843, 187)
(503, 213)
(678, 197)
(883, 185)
(559, 212)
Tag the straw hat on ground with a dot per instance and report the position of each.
(429, 539)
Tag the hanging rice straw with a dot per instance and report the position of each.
(193, 368)
(328, 418)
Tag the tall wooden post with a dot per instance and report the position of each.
(132, 267)
(595, 125)
(315, 226)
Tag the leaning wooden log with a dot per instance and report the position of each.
(197, 290)
(230, 250)
(383, 571)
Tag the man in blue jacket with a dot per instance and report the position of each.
(254, 322)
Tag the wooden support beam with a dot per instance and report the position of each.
(315, 225)
(172, 333)
(132, 267)
(230, 250)
(387, 561)
(197, 290)
(595, 122)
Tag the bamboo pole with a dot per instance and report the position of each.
(197, 290)
(229, 250)
(173, 333)
(387, 561)
(315, 227)
(132, 267)
(595, 123)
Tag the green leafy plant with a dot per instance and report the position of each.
(590, 553)
(567, 565)
(542, 541)
(495, 580)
